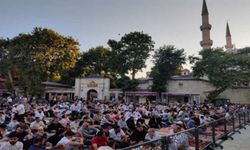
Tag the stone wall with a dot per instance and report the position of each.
(101, 85)
(237, 95)
(200, 87)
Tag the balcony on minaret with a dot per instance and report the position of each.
(206, 44)
(205, 27)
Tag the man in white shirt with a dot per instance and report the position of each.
(127, 115)
(122, 122)
(9, 100)
(137, 115)
(117, 134)
(66, 139)
(20, 109)
(75, 108)
(36, 124)
(13, 143)
(12, 123)
(39, 113)
(151, 135)
(2, 117)
(119, 138)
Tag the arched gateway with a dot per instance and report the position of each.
(91, 87)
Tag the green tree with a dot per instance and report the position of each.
(167, 62)
(54, 53)
(126, 84)
(41, 55)
(223, 69)
(243, 62)
(95, 60)
(6, 65)
(130, 53)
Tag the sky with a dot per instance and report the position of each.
(94, 22)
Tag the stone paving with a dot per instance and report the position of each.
(240, 142)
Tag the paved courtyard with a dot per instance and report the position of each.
(240, 142)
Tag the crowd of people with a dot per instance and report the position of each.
(93, 125)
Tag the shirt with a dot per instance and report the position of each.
(54, 126)
(20, 109)
(122, 123)
(64, 140)
(151, 138)
(8, 146)
(116, 136)
(36, 125)
(179, 140)
(64, 122)
(99, 141)
(138, 136)
(39, 114)
(33, 147)
(75, 107)
(190, 123)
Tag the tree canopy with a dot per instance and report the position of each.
(95, 60)
(38, 56)
(223, 69)
(167, 61)
(130, 53)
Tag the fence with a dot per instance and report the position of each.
(210, 135)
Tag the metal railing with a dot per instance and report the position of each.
(209, 135)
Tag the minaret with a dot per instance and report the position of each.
(229, 46)
(206, 42)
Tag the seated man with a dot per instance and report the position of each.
(54, 126)
(36, 124)
(155, 122)
(21, 133)
(178, 141)
(151, 135)
(38, 143)
(123, 124)
(138, 135)
(99, 140)
(87, 132)
(12, 143)
(54, 139)
(118, 137)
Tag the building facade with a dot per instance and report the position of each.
(92, 87)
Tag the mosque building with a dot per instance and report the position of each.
(183, 88)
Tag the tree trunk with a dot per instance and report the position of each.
(11, 82)
(212, 95)
(133, 74)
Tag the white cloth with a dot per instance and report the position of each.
(8, 146)
(39, 114)
(105, 148)
(20, 109)
(64, 140)
(122, 123)
(116, 136)
(137, 115)
(127, 115)
(75, 107)
(151, 138)
(9, 100)
(36, 125)
(12, 124)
